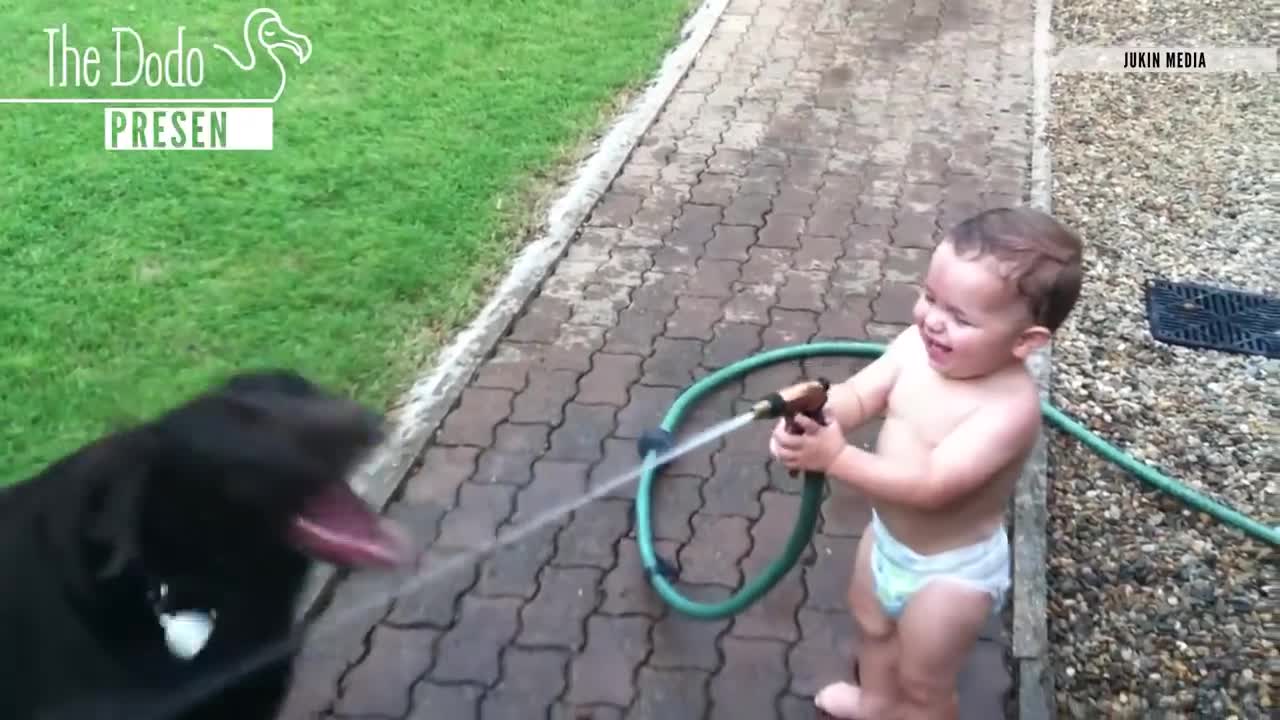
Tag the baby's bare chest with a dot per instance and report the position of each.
(928, 406)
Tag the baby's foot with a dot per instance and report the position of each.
(845, 702)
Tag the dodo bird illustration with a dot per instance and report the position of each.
(266, 28)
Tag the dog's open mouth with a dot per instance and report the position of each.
(336, 526)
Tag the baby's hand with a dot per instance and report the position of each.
(775, 449)
(816, 449)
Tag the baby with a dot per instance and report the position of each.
(961, 414)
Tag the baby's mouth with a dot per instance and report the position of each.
(936, 347)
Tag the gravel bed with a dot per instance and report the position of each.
(1155, 611)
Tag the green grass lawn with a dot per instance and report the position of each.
(405, 153)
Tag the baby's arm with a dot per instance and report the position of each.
(969, 456)
(865, 395)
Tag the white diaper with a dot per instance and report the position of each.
(900, 572)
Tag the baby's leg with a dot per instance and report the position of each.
(937, 631)
(874, 694)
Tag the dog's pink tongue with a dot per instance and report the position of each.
(338, 527)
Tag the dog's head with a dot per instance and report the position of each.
(258, 468)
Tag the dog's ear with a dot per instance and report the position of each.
(116, 522)
(96, 531)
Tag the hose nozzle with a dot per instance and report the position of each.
(805, 398)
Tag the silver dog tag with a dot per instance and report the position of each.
(186, 633)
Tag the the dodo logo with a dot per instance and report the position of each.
(136, 123)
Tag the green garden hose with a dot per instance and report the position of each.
(660, 575)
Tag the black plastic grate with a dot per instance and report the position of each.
(1202, 316)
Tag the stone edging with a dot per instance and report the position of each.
(420, 411)
(1030, 649)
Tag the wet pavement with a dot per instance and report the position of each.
(789, 192)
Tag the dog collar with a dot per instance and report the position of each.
(186, 632)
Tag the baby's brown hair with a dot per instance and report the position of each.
(1045, 258)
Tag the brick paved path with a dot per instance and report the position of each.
(790, 191)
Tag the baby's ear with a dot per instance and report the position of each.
(1031, 339)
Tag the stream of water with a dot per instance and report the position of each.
(359, 611)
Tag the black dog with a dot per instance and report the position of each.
(216, 509)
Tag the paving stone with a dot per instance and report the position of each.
(669, 694)
(573, 348)
(609, 379)
(906, 265)
(748, 209)
(750, 304)
(774, 615)
(683, 642)
(434, 604)
(515, 438)
(470, 651)
(592, 535)
(676, 498)
(625, 267)
(635, 332)
(845, 513)
(514, 468)
(789, 327)
(827, 579)
(732, 342)
(753, 676)
(323, 660)
(673, 363)
(614, 210)
(803, 290)
(867, 242)
(895, 304)
(541, 320)
(731, 242)
(583, 432)
(714, 189)
(657, 293)
(444, 468)
(645, 411)
(554, 483)
(792, 707)
(713, 278)
(532, 680)
(782, 230)
(626, 587)
(984, 682)
(511, 571)
(695, 226)
(915, 230)
(848, 321)
(825, 652)
(556, 616)
(433, 700)
(712, 555)
(735, 487)
(766, 266)
(474, 522)
(380, 684)
(605, 670)
(694, 318)
(818, 253)
(543, 400)
(763, 179)
(507, 369)
(473, 420)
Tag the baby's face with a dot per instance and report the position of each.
(969, 316)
